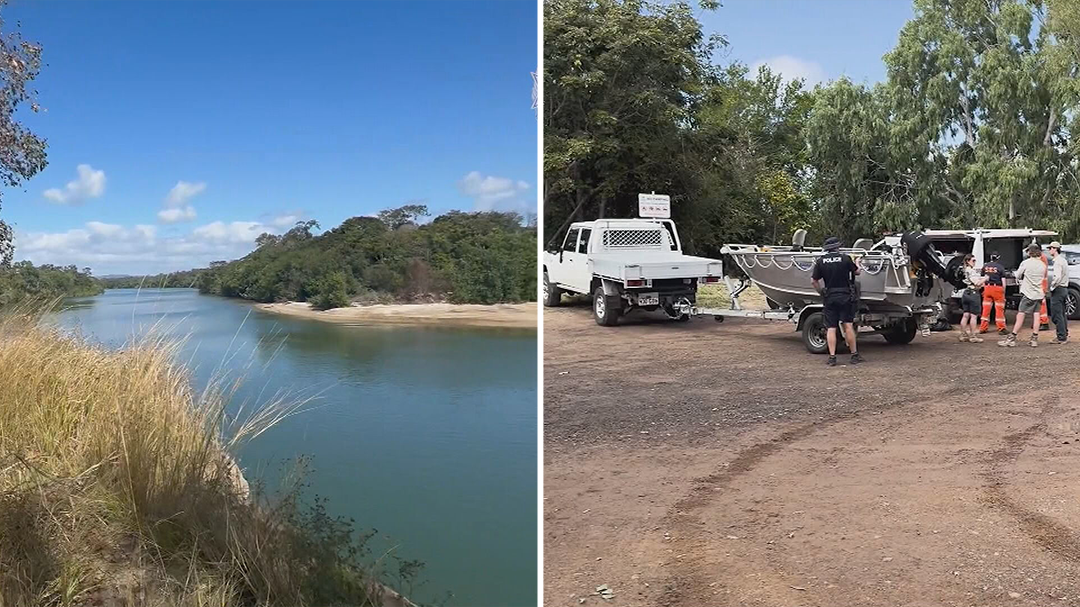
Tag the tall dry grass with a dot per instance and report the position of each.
(116, 488)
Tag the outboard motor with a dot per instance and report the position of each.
(920, 247)
(798, 240)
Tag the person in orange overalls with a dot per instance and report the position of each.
(993, 295)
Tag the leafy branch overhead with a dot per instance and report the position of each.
(22, 153)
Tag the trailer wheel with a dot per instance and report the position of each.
(1072, 304)
(814, 333)
(552, 293)
(902, 332)
(606, 308)
(718, 318)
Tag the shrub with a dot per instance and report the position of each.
(333, 292)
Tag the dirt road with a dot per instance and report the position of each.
(720, 464)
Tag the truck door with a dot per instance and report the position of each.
(561, 271)
(581, 277)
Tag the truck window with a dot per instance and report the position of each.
(671, 235)
(570, 244)
(583, 246)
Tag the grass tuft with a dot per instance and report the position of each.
(117, 488)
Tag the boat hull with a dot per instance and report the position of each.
(886, 280)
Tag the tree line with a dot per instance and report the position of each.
(481, 258)
(974, 125)
(23, 280)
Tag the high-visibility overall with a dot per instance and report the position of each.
(993, 296)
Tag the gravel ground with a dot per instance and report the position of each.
(709, 463)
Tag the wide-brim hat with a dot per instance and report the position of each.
(1055, 245)
(832, 243)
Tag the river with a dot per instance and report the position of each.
(426, 435)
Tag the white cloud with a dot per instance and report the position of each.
(140, 249)
(88, 184)
(182, 192)
(285, 221)
(489, 193)
(238, 232)
(792, 68)
(176, 215)
(177, 208)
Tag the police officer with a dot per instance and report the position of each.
(838, 271)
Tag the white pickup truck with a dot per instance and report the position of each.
(626, 264)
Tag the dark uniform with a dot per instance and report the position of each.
(838, 271)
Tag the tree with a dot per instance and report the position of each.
(24, 152)
(979, 110)
(746, 155)
(621, 78)
(404, 215)
(266, 239)
(332, 292)
(301, 232)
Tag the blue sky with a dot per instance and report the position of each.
(819, 40)
(179, 131)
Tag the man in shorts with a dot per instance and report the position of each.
(838, 271)
(1031, 274)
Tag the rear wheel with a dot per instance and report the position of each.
(814, 333)
(902, 332)
(552, 293)
(1072, 304)
(606, 308)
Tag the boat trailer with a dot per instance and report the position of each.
(897, 324)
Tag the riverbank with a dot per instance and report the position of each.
(115, 468)
(521, 316)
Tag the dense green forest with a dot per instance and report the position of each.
(22, 280)
(459, 257)
(975, 124)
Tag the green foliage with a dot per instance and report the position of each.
(332, 292)
(621, 79)
(402, 216)
(23, 280)
(23, 152)
(634, 104)
(974, 126)
(459, 257)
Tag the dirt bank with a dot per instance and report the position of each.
(501, 315)
(720, 464)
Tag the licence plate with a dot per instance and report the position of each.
(648, 299)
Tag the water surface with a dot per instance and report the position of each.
(427, 435)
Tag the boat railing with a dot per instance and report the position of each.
(870, 261)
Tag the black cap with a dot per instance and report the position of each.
(832, 243)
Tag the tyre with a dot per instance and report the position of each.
(1072, 304)
(814, 333)
(606, 308)
(552, 293)
(902, 332)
